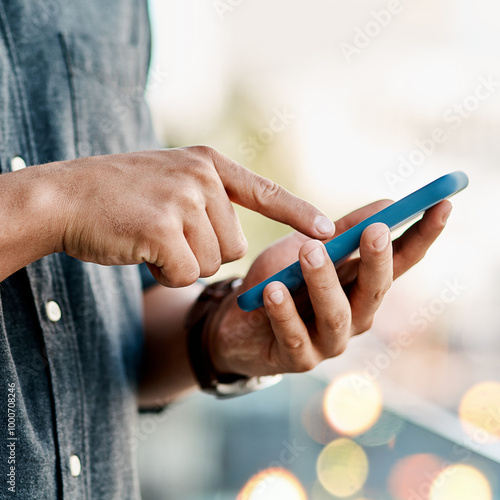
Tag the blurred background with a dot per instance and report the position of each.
(345, 103)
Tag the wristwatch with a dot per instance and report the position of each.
(221, 385)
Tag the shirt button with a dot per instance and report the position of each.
(53, 311)
(75, 465)
(17, 163)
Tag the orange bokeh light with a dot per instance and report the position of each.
(342, 467)
(461, 482)
(413, 476)
(352, 404)
(273, 484)
(479, 412)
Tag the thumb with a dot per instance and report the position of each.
(271, 200)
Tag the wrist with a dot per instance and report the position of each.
(219, 349)
(205, 345)
(49, 205)
(199, 335)
(30, 218)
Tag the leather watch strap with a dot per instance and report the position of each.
(198, 323)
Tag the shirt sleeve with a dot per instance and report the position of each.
(148, 281)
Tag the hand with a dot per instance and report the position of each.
(294, 336)
(171, 209)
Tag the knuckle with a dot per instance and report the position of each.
(338, 322)
(163, 229)
(182, 279)
(293, 342)
(411, 255)
(143, 251)
(201, 165)
(208, 177)
(210, 269)
(326, 283)
(241, 249)
(236, 251)
(338, 349)
(374, 297)
(203, 151)
(380, 293)
(265, 190)
(284, 319)
(203, 171)
(418, 255)
(364, 325)
(379, 262)
(193, 200)
(304, 364)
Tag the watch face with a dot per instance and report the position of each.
(245, 386)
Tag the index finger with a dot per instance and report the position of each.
(264, 196)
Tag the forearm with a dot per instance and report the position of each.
(30, 224)
(35, 209)
(166, 373)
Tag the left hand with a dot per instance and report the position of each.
(294, 336)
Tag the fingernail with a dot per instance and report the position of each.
(446, 216)
(382, 241)
(276, 297)
(316, 258)
(324, 225)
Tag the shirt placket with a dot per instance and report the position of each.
(66, 373)
(56, 321)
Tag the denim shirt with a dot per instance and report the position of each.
(72, 79)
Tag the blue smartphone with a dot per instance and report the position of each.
(346, 243)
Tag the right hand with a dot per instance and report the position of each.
(169, 208)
